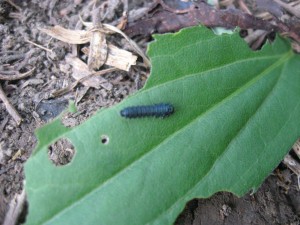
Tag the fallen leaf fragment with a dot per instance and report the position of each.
(116, 57)
(107, 28)
(131, 42)
(68, 36)
(81, 70)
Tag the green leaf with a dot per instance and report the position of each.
(236, 116)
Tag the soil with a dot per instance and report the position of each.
(272, 204)
(276, 202)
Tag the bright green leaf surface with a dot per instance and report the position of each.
(236, 116)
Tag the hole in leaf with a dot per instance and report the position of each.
(104, 139)
(61, 152)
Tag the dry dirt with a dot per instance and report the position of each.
(276, 202)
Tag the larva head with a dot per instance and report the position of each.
(169, 109)
(124, 113)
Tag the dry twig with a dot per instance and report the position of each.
(293, 10)
(39, 46)
(16, 75)
(296, 148)
(11, 110)
(293, 165)
(14, 5)
(15, 209)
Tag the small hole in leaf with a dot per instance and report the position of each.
(61, 152)
(104, 139)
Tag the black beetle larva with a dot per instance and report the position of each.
(158, 110)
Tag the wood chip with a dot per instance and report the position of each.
(98, 46)
(117, 57)
(98, 50)
(16, 155)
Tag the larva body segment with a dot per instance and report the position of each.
(158, 110)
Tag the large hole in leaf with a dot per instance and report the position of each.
(61, 152)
